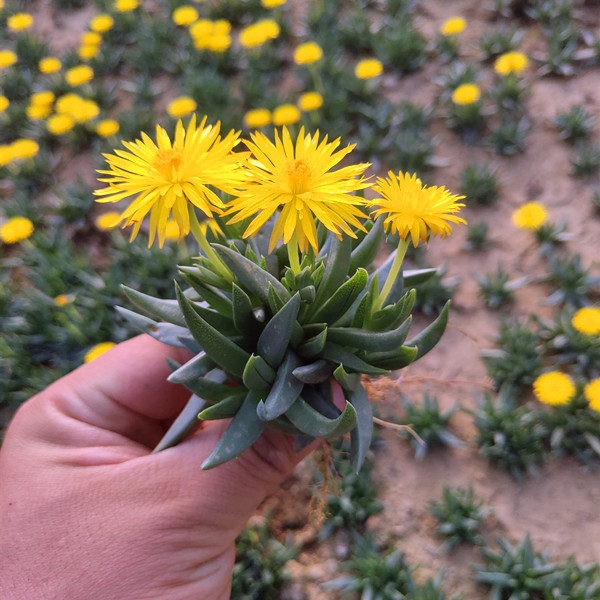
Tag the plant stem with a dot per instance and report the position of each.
(212, 256)
(395, 269)
(292, 248)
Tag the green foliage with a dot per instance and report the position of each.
(495, 288)
(400, 46)
(575, 124)
(436, 291)
(479, 184)
(500, 40)
(576, 286)
(477, 236)
(509, 136)
(259, 572)
(460, 516)
(586, 160)
(467, 119)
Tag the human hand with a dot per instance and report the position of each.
(87, 512)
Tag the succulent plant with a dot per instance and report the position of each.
(268, 345)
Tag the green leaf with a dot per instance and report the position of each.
(336, 268)
(258, 375)
(245, 428)
(196, 367)
(432, 334)
(167, 310)
(243, 317)
(393, 315)
(348, 381)
(276, 335)
(366, 251)
(314, 345)
(217, 320)
(342, 299)
(184, 424)
(362, 434)
(140, 322)
(225, 409)
(316, 372)
(341, 356)
(416, 276)
(365, 306)
(251, 276)
(215, 297)
(395, 359)
(308, 294)
(313, 423)
(369, 340)
(228, 355)
(286, 388)
(207, 389)
(274, 301)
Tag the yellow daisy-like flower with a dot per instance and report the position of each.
(592, 394)
(19, 21)
(453, 26)
(15, 230)
(467, 93)
(50, 64)
(221, 27)
(299, 180)
(511, 62)
(415, 209)
(97, 350)
(181, 107)
(108, 220)
(6, 154)
(554, 388)
(172, 232)
(107, 127)
(165, 176)
(310, 101)
(44, 98)
(125, 6)
(62, 300)
(202, 28)
(78, 75)
(37, 112)
(218, 42)
(7, 58)
(286, 114)
(257, 118)
(4, 103)
(102, 23)
(587, 320)
(24, 148)
(272, 3)
(307, 53)
(531, 215)
(368, 68)
(185, 15)
(59, 124)
(212, 225)
(90, 38)
(88, 51)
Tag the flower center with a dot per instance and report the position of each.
(166, 161)
(298, 174)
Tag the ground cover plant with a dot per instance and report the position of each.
(495, 101)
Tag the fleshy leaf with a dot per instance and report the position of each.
(276, 335)
(213, 296)
(184, 424)
(167, 310)
(224, 409)
(198, 366)
(313, 423)
(314, 345)
(393, 315)
(362, 434)
(369, 340)
(366, 251)
(243, 317)
(286, 388)
(395, 359)
(341, 356)
(315, 372)
(432, 334)
(343, 298)
(258, 375)
(348, 381)
(417, 276)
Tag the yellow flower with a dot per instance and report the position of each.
(307, 53)
(4, 103)
(24, 148)
(368, 68)
(59, 124)
(218, 42)
(19, 21)
(125, 6)
(258, 33)
(272, 3)
(68, 103)
(90, 38)
(108, 220)
(212, 225)
(286, 114)
(511, 62)
(221, 27)
(7, 58)
(202, 28)
(62, 300)
(78, 75)
(87, 111)
(97, 350)
(529, 216)
(167, 175)
(415, 209)
(172, 232)
(453, 26)
(50, 64)
(6, 154)
(44, 98)
(182, 106)
(259, 117)
(467, 93)
(102, 23)
(587, 320)
(88, 51)
(298, 179)
(38, 112)
(592, 393)
(554, 388)
(185, 15)
(310, 101)
(107, 127)
(15, 230)
(270, 28)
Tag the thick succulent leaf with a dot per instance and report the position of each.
(225, 409)
(362, 434)
(217, 320)
(417, 276)
(167, 310)
(366, 251)
(286, 388)
(313, 423)
(348, 381)
(140, 322)
(393, 315)
(343, 298)
(308, 294)
(213, 296)
(258, 375)
(228, 355)
(336, 267)
(207, 388)
(251, 276)
(242, 308)
(276, 335)
(364, 304)
(191, 344)
(314, 345)
(196, 367)
(395, 359)
(341, 356)
(167, 333)
(245, 428)
(184, 424)
(204, 270)
(432, 334)
(315, 372)
(369, 340)
(274, 301)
